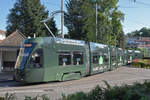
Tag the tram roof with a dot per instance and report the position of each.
(130, 50)
(137, 51)
(69, 41)
(98, 45)
(57, 40)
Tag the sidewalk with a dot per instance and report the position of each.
(6, 76)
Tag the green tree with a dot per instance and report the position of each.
(74, 19)
(109, 21)
(14, 20)
(105, 29)
(143, 32)
(121, 41)
(53, 28)
(81, 20)
(26, 16)
(144, 51)
(133, 34)
(117, 16)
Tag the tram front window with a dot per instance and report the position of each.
(36, 59)
(18, 62)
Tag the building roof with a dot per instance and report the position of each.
(13, 40)
(2, 32)
(147, 45)
(142, 40)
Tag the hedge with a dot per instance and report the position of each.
(137, 91)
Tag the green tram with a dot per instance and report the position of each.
(45, 59)
(137, 54)
(130, 56)
(126, 57)
(113, 57)
(99, 58)
(121, 57)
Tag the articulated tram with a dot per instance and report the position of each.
(45, 59)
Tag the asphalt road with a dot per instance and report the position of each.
(54, 90)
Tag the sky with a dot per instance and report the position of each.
(137, 14)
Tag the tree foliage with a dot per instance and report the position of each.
(121, 41)
(74, 19)
(81, 21)
(117, 31)
(143, 32)
(26, 16)
(137, 91)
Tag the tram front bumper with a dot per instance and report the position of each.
(17, 75)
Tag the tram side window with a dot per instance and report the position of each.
(113, 58)
(121, 57)
(36, 59)
(64, 58)
(95, 58)
(130, 57)
(105, 58)
(77, 58)
(136, 56)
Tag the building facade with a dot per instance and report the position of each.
(131, 42)
(9, 49)
(139, 42)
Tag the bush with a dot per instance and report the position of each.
(126, 92)
(9, 97)
(2, 98)
(42, 97)
(141, 63)
(76, 96)
(96, 94)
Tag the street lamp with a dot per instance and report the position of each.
(96, 21)
(62, 19)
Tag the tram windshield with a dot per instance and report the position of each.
(36, 59)
(23, 56)
(18, 62)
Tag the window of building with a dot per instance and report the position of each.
(64, 58)
(77, 58)
(36, 59)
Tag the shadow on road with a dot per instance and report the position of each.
(12, 83)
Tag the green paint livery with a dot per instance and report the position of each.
(47, 59)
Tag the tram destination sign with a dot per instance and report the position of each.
(69, 42)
